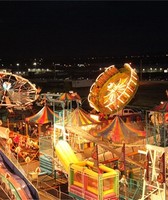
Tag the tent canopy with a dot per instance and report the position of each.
(80, 117)
(119, 131)
(69, 97)
(45, 115)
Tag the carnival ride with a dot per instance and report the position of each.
(13, 179)
(128, 89)
(13, 182)
(113, 89)
(87, 179)
(90, 182)
(108, 95)
(104, 144)
(108, 100)
(16, 91)
(155, 168)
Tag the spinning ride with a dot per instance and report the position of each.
(113, 89)
(16, 91)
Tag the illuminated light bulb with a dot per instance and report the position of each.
(6, 86)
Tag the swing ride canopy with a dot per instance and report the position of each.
(119, 131)
(45, 115)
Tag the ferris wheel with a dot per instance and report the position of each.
(113, 89)
(16, 91)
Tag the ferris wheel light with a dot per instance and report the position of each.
(6, 86)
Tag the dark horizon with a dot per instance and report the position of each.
(69, 29)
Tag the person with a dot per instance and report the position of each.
(123, 180)
(123, 183)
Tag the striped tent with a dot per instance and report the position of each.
(118, 131)
(69, 97)
(45, 115)
(80, 117)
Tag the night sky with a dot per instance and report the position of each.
(82, 28)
